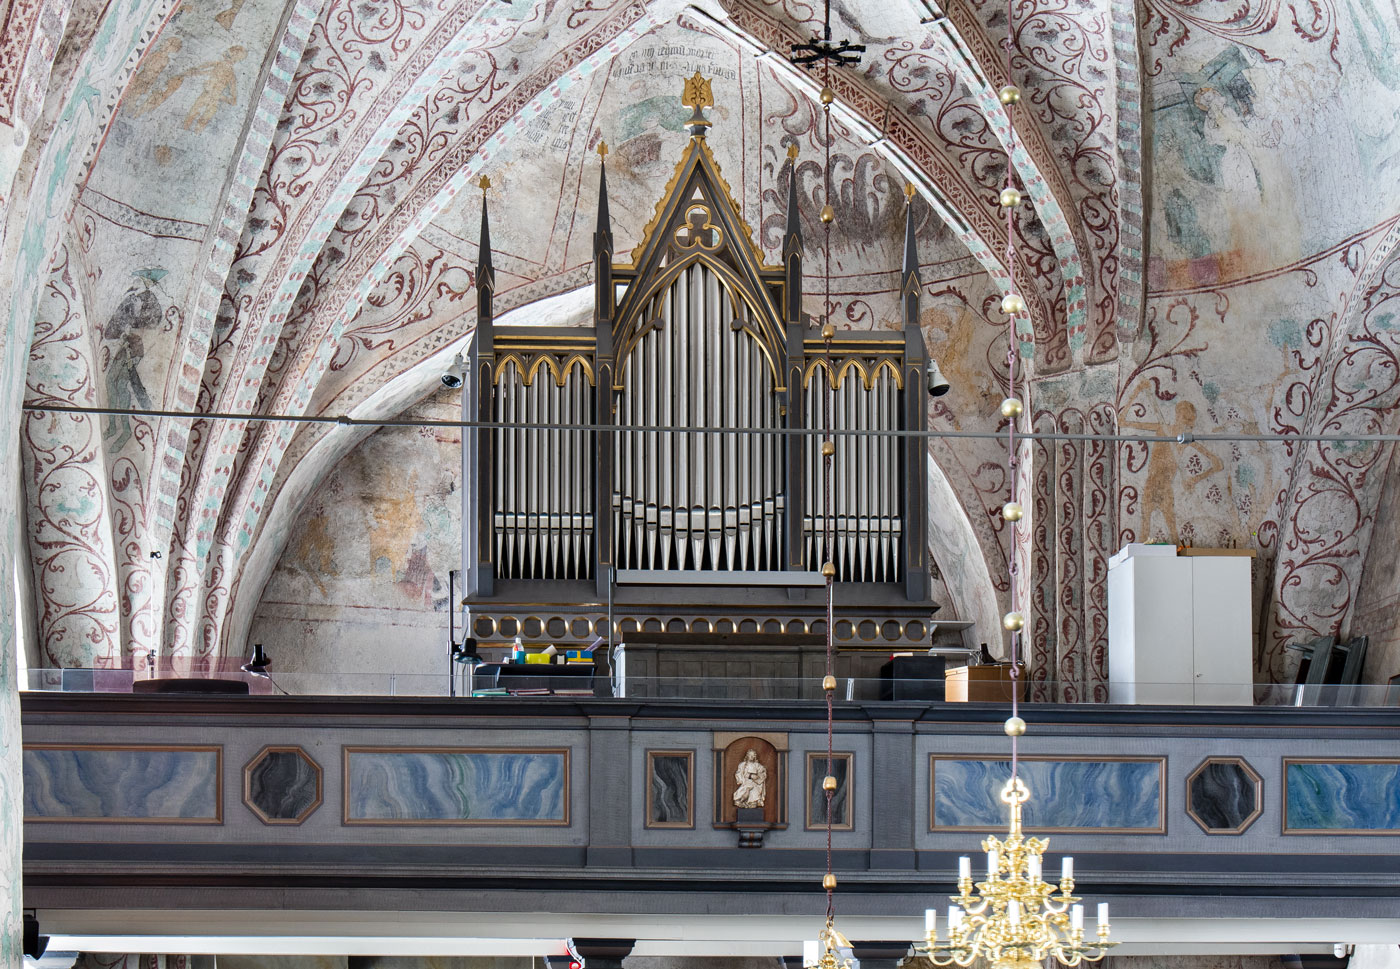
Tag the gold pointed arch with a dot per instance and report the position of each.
(530, 367)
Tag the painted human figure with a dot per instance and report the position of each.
(220, 88)
(751, 778)
(1163, 464)
(152, 66)
(139, 310)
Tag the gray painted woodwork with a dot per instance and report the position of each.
(890, 860)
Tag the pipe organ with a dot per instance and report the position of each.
(675, 443)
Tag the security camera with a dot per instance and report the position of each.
(453, 378)
(937, 383)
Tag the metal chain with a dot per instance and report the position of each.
(1011, 357)
(829, 537)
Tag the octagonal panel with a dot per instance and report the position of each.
(282, 785)
(1224, 795)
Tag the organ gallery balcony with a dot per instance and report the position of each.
(149, 804)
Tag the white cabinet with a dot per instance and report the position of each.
(1180, 627)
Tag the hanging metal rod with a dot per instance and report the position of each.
(346, 420)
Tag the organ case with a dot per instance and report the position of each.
(697, 371)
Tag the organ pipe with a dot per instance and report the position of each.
(866, 510)
(695, 498)
(543, 498)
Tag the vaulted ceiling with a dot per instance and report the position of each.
(260, 207)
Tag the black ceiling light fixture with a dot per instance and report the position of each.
(843, 54)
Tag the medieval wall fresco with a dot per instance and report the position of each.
(362, 585)
(327, 247)
(1263, 248)
(190, 82)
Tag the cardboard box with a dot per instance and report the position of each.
(984, 684)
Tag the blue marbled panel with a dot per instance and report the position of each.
(416, 785)
(121, 784)
(1064, 794)
(1342, 797)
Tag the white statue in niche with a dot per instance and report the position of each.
(751, 778)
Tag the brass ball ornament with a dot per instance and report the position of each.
(828, 214)
(1011, 511)
(1009, 198)
(828, 331)
(1010, 94)
(1012, 304)
(828, 448)
(829, 570)
(1013, 622)
(828, 783)
(1014, 727)
(828, 881)
(827, 95)
(829, 683)
(1011, 407)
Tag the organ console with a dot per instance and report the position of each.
(654, 465)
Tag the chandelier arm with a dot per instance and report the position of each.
(1058, 906)
(972, 907)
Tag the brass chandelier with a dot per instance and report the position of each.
(1014, 919)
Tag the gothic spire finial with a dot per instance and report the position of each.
(792, 235)
(909, 278)
(602, 234)
(792, 245)
(483, 256)
(697, 96)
